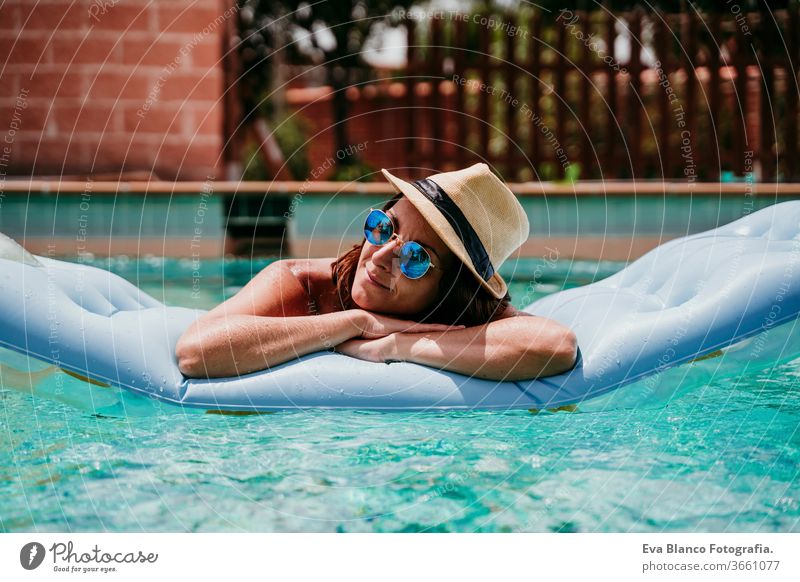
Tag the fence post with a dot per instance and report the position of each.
(462, 119)
(533, 136)
(483, 96)
(790, 157)
(585, 122)
(767, 106)
(713, 65)
(611, 168)
(635, 102)
(511, 71)
(411, 83)
(435, 111)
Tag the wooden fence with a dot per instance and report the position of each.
(548, 95)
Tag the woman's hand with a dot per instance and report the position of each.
(508, 349)
(373, 325)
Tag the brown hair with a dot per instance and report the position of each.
(461, 298)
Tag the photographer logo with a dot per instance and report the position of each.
(31, 555)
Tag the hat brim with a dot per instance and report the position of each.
(441, 226)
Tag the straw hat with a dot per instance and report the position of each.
(476, 216)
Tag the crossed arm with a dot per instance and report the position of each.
(516, 347)
(513, 348)
(239, 337)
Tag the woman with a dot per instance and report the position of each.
(422, 287)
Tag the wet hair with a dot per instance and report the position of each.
(461, 299)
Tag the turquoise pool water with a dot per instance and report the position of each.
(719, 454)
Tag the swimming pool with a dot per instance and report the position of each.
(719, 456)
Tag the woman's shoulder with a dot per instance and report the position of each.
(309, 272)
(314, 275)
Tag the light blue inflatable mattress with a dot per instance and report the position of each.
(684, 300)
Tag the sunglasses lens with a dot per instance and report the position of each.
(378, 227)
(414, 260)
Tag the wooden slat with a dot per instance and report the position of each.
(559, 98)
(689, 104)
(483, 96)
(462, 121)
(790, 165)
(610, 167)
(535, 79)
(713, 166)
(767, 103)
(410, 113)
(511, 73)
(635, 97)
(663, 147)
(435, 112)
(742, 105)
(584, 126)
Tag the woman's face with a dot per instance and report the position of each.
(380, 286)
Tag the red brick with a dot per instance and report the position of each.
(88, 51)
(56, 16)
(88, 118)
(207, 54)
(19, 50)
(50, 153)
(46, 85)
(133, 85)
(114, 152)
(9, 86)
(160, 120)
(198, 85)
(207, 121)
(121, 17)
(155, 52)
(190, 18)
(31, 117)
(10, 16)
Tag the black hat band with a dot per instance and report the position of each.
(469, 238)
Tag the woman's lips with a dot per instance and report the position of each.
(374, 282)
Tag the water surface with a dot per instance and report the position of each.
(719, 455)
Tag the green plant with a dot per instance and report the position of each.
(291, 132)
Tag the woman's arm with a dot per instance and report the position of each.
(265, 325)
(519, 347)
(239, 344)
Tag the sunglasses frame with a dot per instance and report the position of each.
(396, 236)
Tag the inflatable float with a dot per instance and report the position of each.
(731, 295)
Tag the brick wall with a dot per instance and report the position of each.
(111, 86)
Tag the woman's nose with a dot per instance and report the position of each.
(385, 255)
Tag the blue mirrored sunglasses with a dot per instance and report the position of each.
(414, 259)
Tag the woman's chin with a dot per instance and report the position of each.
(362, 298)
(371, 300)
